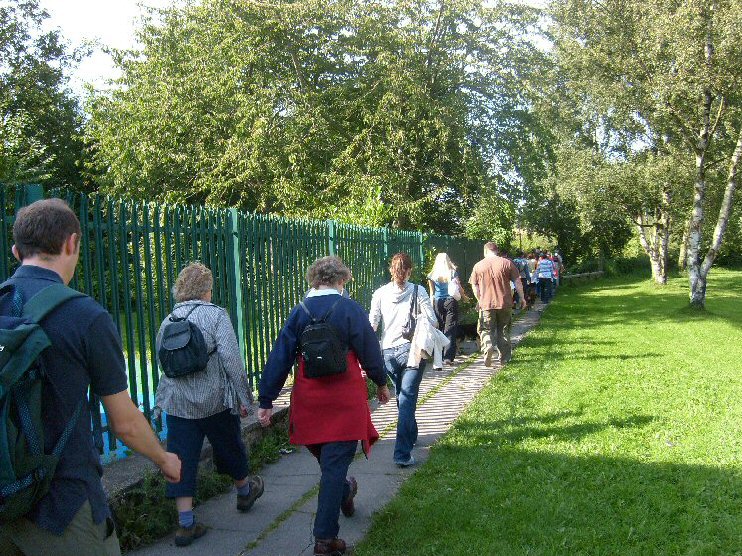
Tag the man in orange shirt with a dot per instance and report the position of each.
(490, 280)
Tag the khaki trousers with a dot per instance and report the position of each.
(494, 330)
(81, 538)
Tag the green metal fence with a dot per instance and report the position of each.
(132, 252)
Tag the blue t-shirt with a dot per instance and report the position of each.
(441, 288)
(85, 352)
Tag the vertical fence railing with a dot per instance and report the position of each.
(132, 252)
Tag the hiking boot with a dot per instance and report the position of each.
(186, 535)
(488, 357)
(244, 503)
(347, 506)
(329, 547)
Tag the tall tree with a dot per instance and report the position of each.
(40, 120)
(674, 68)
(376, 113)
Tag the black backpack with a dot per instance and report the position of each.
(182, 347)
(323, 351)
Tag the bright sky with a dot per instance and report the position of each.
(110, 22)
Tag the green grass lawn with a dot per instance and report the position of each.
(616, 429)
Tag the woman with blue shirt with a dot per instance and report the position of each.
(445, 305)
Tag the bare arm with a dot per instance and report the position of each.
(128, 424)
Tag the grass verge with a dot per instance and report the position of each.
(617, 429)
(143, 513)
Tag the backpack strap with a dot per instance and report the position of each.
(311, 316)
(413, 303)
(47, 300)
(327, 315)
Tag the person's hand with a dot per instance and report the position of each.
(264, 416)
(382, 394)
(523, 303)
(170, 467)
(243, 410)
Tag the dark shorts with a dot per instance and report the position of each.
(185, 437)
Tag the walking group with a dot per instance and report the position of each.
(57, 344)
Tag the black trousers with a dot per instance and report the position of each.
(447, 313)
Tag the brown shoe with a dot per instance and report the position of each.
(347, 506)
(186, 535)
(244, 503)
(329, 547)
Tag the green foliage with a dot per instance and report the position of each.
(609, 433)
(40, 120)
(396, 113)
(143, 513)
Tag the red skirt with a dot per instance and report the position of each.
(331, 409)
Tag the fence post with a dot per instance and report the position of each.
(421, 239)
(385, 236)
(237, 266)
(27, 194)
(331, 237)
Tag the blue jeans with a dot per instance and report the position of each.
(407, 384)
(334, 459)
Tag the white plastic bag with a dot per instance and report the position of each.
(454, 288)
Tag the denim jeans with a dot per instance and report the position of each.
(334, 459)
(407, 385)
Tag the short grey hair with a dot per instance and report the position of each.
(193, 282)
(328, 271)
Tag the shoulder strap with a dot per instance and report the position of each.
(327, 315)
(413, 302)
(311, 316)
(47, 300)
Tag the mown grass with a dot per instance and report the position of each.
(616, 429)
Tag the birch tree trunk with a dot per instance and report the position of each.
(655, 239)
(683, 255)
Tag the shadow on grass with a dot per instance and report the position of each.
(519, 429)
(496, 496)
(646, 306)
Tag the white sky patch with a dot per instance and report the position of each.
(105, 22)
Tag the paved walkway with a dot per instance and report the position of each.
(280, 523)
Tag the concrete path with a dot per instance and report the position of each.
(280, 523)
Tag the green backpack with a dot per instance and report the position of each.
(25, 470)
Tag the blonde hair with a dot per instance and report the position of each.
(401, 263)
(443, 268)
(327, 271)
(193, 282)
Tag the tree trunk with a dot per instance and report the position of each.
(655, 245)
(683, 255)
(695, 235)
(725, 211)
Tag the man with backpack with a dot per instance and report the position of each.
(58, 344)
